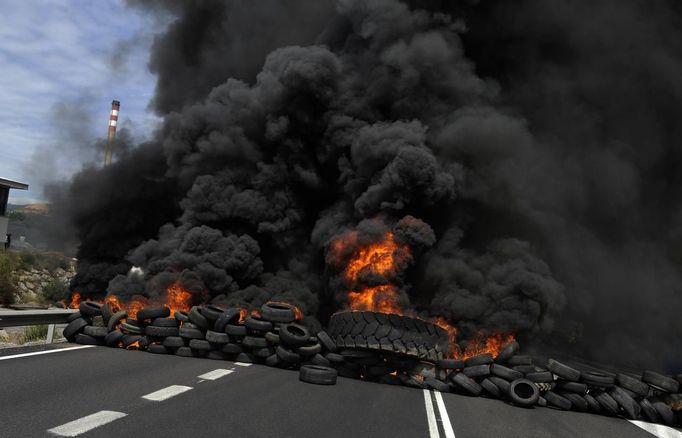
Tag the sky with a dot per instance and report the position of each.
(61, 65)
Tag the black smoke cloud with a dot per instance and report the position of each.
(536, 140)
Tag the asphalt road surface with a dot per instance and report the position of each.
(69, 390)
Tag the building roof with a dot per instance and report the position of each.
(4, 182)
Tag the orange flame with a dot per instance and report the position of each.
(452, 334)
(382, 258)
(242, 314)
(178, 298)
(482, 344)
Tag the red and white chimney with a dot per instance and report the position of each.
(113, 121)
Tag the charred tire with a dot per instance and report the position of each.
(257, 324)
(481, 359)
(197, 318)
(235, 330)
(278, 312)
(199, 344)
(107, 312)
(523, 392)
(491, 388)
(665, 413)
(74, 327)
(264, 353)
(181, 316)
(273, 361)
(84, 339)
(89, 308)
(477, 371)
(160, 332)
(389, 333)
(318, 359)
(635, 385)
(509, 350)
(294, 335)
(540, 377)
(661, 382)
(244, 357)
(128, 327)
(191, 333)
(287, 355)
(575, 387)
(592, 403)
(557, 401)
(335, 358)
(253, 342)
(309, 350)
(129, 340)
(211, 312)
(629, 405)
(597, 379)
(649, 411)
(165, 322)
(216, 337)
(318, 375)
(450, 364)
(153, 312)
(563, 371)
(505, 373)
(229, 316)
(97, 332)
(113, 338)
(174, 342)
(467, 384)
(438, 385)
(326, 341)
(500, 383)
(608, 404)
(272, 337)
(157, 349)
(577, 401)
(185, 352)
(525, 369)
(519, 359)
(73, 316)
(232, 348)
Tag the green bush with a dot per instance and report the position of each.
(35, 333)
(56, 290)
(8, 285)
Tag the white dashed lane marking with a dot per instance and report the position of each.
(85, 424)
(658, 430)
(166, 393)
(242, 364)
(216, 374)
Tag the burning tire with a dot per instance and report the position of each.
(389, 333)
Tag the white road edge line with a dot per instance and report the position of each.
(215, 374)
(430, 415)
(85, 424)
(166, 393)
(447, 427)
(659, 430)
(242, 364)
(36, 353)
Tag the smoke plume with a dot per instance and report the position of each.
(527, 149)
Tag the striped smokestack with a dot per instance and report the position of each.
(113, 121)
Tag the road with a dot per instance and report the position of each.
(103, 392)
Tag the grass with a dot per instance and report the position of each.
(35, 333)
(8, 284)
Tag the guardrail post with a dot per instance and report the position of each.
(50, 333)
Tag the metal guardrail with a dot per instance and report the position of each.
(16, 318)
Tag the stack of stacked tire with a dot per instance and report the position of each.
(87, 326)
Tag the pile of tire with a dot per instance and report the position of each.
(389, 349)
(518, 380)
(273, 337)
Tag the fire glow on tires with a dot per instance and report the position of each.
(372, 273)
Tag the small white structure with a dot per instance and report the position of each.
(5, 186)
